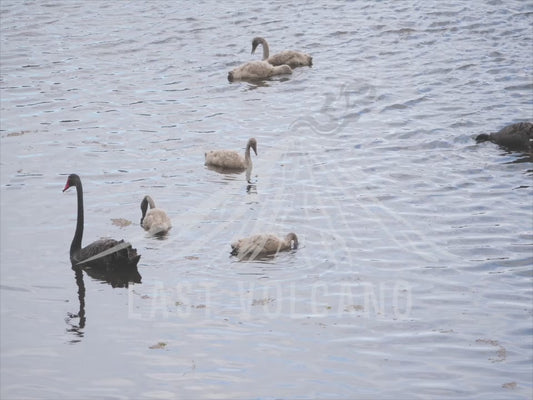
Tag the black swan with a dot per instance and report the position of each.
(156, 220)
(230, 159)
(516, 137)
(263, 245)
(104, 255)
(292, 58)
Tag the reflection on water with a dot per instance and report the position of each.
(259, 258)
(230, 171)
(159, 235)
(77, 329)
(251, 188)
(115, 278)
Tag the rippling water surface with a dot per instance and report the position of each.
(414, 274)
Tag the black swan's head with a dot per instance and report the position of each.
(482, 138)
(71, 181)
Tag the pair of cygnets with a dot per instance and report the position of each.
(258, 245)
(156, 221)
(278, 64)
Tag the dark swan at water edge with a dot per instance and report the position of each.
(515, 137)
(104, 256)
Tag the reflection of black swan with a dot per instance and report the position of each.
(77, 329)
(156, 220)
(119, 257)
(513, 137)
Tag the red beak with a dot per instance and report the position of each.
(66, 187)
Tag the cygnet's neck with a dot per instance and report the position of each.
(266, 50)
(247, 157)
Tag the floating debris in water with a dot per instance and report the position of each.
(18, 133)
(509, 385)
(158, 345)
(262, 302)
(120, 222)
(501, 352)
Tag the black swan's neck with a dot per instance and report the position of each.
(75, 246)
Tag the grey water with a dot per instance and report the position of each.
(413, 278)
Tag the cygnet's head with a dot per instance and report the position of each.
(291, 237)
(253, 144)
(256, 42)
